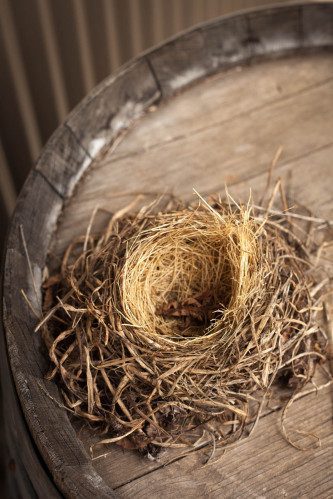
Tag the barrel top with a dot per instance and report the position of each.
(208, 107)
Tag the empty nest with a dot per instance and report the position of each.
(180, 320)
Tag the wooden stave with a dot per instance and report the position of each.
(64, 160)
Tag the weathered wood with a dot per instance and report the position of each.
(207, 144)
(37, 210)
(25, 475)
(228, 95)
(229, 41)
(317, 26)
(63, 161)
(289, 106)
(225, 129)
(113, 105)
(263, 466)
(97, 120)
(316, 168)
(119, 467)
(33, 223)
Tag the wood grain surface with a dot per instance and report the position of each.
(149, 129)
(49, 427)
(264, 466)
(225, 130)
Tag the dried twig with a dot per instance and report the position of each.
(178, 322)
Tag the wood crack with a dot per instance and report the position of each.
(49, 183)
(201, 447)
(177, 138)
(279, 167)
(154, 75)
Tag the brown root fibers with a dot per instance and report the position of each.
(180, 320)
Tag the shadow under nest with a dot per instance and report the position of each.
(180, 320)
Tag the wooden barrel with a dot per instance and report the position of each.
(208, 107)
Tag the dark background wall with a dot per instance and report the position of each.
(52, 52)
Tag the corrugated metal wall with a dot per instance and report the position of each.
(52, 52)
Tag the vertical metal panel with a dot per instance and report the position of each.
(53, 59)
(135, 30)
(62, 12)
(7, 188)
(20, 82)
(55, 51)
(121, 9)
(158, 21)
(112, 35)
(98, 38)
(213, 8)
(12, 128)
(199, 13)
(7, 196)
(34, 60)
(80, 21)
(177, 9)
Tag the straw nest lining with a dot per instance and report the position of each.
(180, 321)
(183, 275)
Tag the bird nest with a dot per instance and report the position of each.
(179, 320)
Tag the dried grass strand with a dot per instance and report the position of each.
(179, 320)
